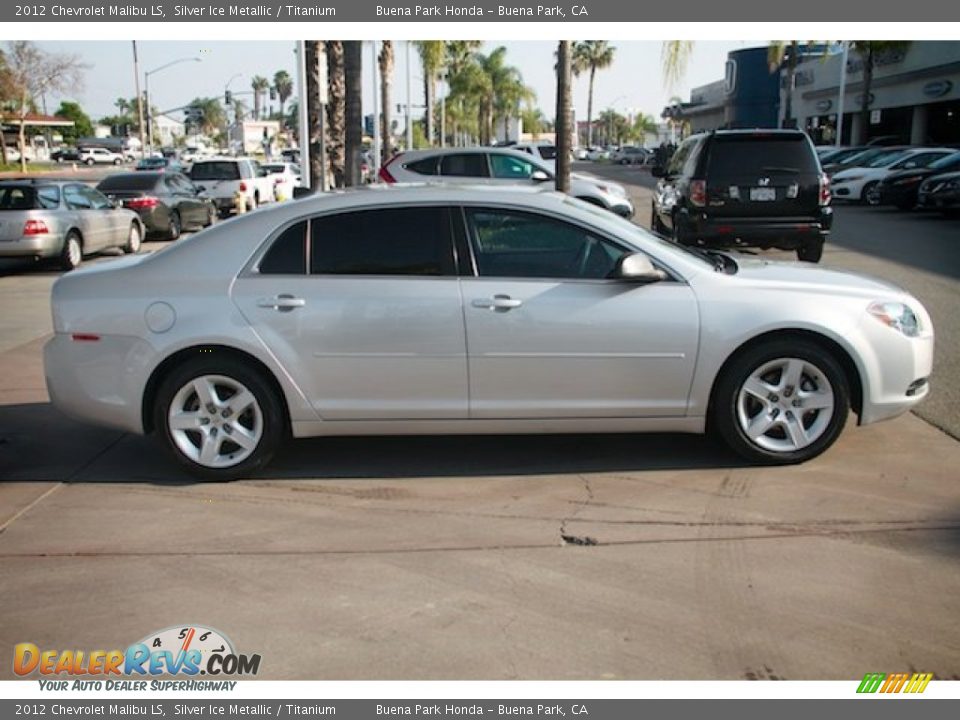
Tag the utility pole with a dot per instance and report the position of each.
(375, 160)
(136, 83)
(843, 91)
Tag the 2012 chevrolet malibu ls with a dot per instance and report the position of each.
(441, 310)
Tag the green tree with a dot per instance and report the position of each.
(260, 86)
(643, 127)
(82, 126)
(214, 117)
(591, 55)
(283, 84)
(432, 56)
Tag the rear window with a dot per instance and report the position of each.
(950, 162)
(28, 197)
(466, 165)
(427, 166)
(548, 152)
(215, 171)
(760, 155)
(132, 181)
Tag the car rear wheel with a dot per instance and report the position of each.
(220, 418)
(89, 161)
(116, 161)
(871, 193)
(134, 240)
(175, 225)
(781, 402)
(810, 251)
(72, 253)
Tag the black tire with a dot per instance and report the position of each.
(117, 161)
(134, 240)
(870, 194)
(725, 415)
(176, 226)
(225, 366)
(89, 161)
(256, 201)
(211, 216)
(810, 251)
(71, 255)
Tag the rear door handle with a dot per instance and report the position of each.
(281, 303)
(498, 303)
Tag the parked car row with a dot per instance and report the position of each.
(894, 175)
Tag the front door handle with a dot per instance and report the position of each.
(498, 303)
(281, 303)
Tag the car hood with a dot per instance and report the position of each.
(913, 172)
(595, 183)
(808, 277)
(942, 177)
(858, 172)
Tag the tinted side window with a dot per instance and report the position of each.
(680, 157)
(467, 165)
(75, 197)
(507, 166)
(389, 241)
(427, 166)
(516, 244)
(48, 197)
(288, 254)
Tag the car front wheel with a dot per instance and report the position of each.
(72, 253)
(220, 418)
(782, 402)
(871, 194)
(134, 240)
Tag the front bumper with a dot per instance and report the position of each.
(940, 200)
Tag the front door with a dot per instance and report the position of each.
(549, 336)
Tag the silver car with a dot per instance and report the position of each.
(443, 310)
(44, 219)
(500, 166)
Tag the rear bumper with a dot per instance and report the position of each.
(32, 246)
(783, 233)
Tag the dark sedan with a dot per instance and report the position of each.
(941, 192)
(901, 188)
(161, 164)
(65, 154)
(167, 202)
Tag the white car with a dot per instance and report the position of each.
(221, 179)
(544, 151)
(448, 310)
(285, 176)
(863, 183)
(100, 156)
(499, 166)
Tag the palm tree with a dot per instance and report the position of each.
(591, 55)
(123, 105)
(260, 85)
(869, 50)
(643, 126)
(336, 111)
(501, 92)
(674, 58)
(214, 116)
(564, 115)
(386, 77)
(283, 84)
(460, 54)
(313, 52)
(352, 74)
(432, 54)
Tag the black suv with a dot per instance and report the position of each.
(745, 188)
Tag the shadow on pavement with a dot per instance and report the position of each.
(38, 443)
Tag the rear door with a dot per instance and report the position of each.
(371, 326)
(86, 218)
(762, 175)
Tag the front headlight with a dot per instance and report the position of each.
(896, 315)
(612, 189)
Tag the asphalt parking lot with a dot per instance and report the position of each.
(572, 557)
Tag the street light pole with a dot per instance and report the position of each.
(146, 77)
(409, 100)
(136, 82)
(843, 90)
(226, 113)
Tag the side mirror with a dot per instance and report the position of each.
(539, 176)
(658, 171)
(636, 267)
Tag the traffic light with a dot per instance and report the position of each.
(227, 97)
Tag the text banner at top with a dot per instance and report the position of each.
(160, 11)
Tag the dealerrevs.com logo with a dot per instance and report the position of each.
(185, 650)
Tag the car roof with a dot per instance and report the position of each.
(473, 150)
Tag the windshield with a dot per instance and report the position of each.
(884, 159)
(946, 163)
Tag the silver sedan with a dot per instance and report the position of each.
(456, 310)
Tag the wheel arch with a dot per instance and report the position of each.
(837, 351)
(185, 354)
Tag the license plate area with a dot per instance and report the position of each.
(763, 194)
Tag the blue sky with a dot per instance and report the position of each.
(633, 84)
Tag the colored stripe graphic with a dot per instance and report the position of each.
(895, 682)
(871, 682)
